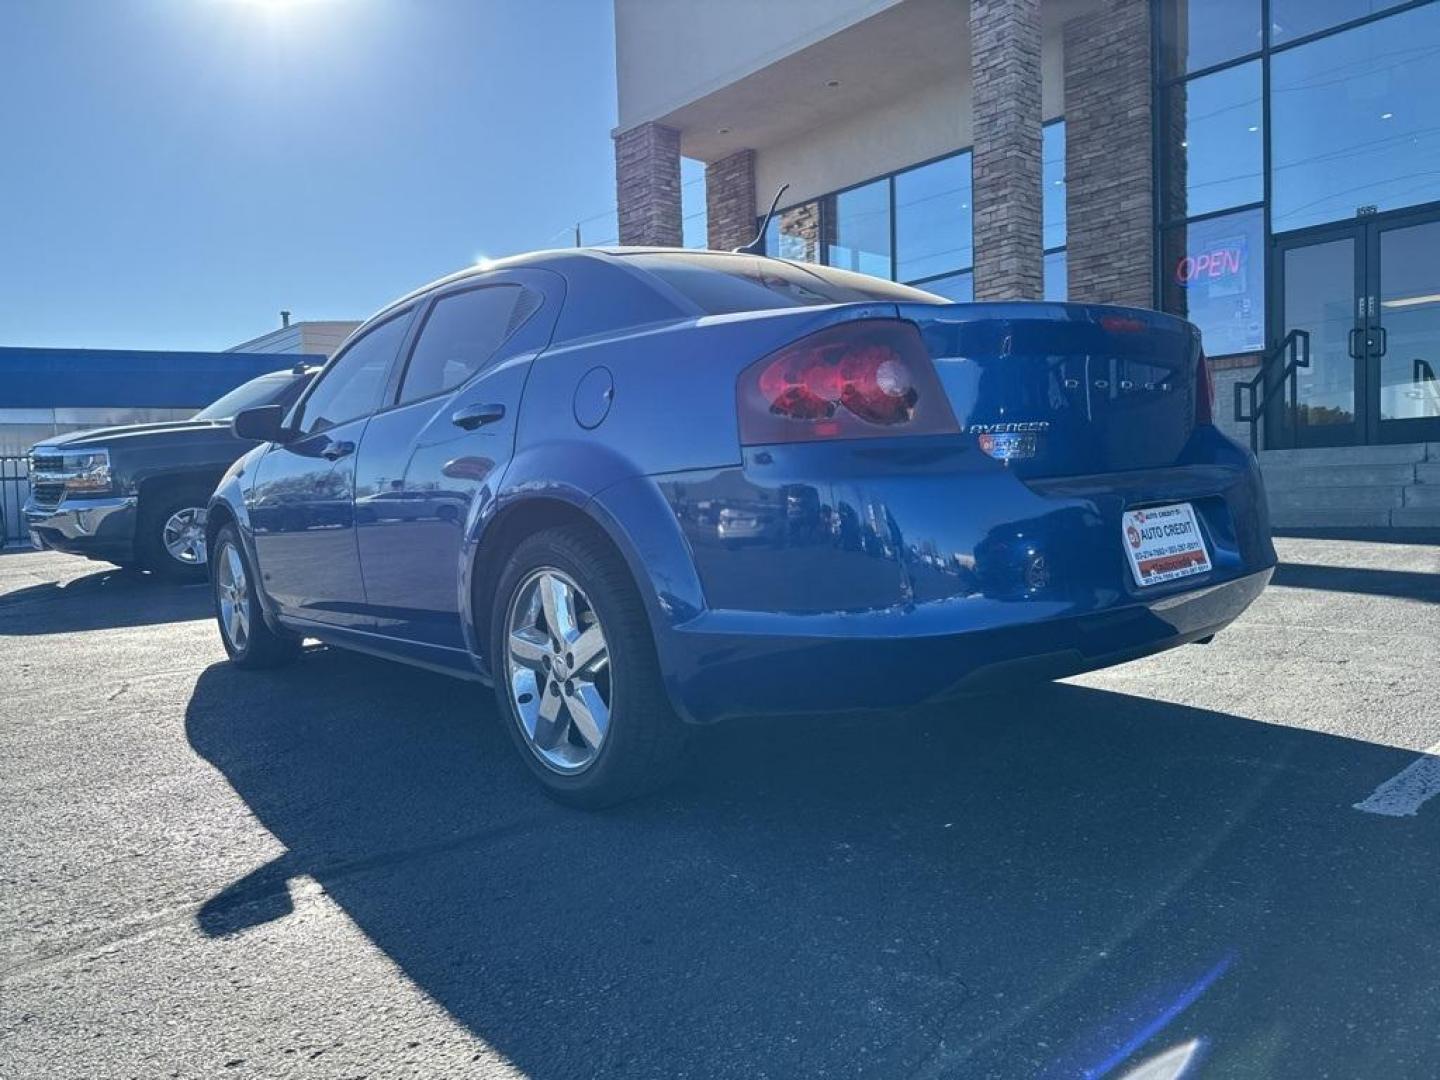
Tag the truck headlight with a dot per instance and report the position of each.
(87, 472)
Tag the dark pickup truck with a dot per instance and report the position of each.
(136, 495)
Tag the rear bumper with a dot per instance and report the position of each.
(743, 663)
(95, 528)
(887, 575)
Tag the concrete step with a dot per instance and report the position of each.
(1291, 518)
(1423, 495)
(1284, 477)
(1375, 497)
(1397, 454)
(1416, 517)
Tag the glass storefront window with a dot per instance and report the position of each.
(860, 229)
(1355, 121)
(1198, 34)
(693, 228)
(1052, 165)
(1214, 275)
(932, 219)
(1218, 160)
(957, 287)
(1291, 19)
(795, 233)
(1057, 285)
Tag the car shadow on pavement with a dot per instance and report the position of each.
(1405, 584)
(106, 599)
(1049, 883)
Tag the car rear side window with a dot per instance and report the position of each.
(462, 333)
(721, 284)
(352, 386)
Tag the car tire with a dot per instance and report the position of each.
(161, 530)
(642, 741)
(248, 639)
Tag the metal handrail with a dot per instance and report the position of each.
(1275, 374)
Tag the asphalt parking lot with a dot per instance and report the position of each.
(340, 870)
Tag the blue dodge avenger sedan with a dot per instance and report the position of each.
(640, 489)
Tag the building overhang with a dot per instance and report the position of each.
(878, 59)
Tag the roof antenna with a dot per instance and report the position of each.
(754, 246)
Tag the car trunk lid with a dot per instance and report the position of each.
(1066, 389)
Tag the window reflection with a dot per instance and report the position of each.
(1291, 19)
(1202, 33)
(1214, 275)
(1217, 161)
(1052, 166)
(932, 218)
(860, 229)
(1057, 286)
(1410, 316)
(1355, 122)
(1319, 294)
(957, 287)
(795, 233)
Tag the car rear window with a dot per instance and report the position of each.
(722, 284)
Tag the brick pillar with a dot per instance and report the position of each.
(1007, 216)
(647, 185)
(730, 201)
(1108, 160)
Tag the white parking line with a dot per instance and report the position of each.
(1405, 792)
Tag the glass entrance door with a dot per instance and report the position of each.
(1404, 268)
(1368, 293)
(1321, 291)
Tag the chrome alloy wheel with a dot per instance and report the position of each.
(184, 536)
(559, 668)
(232, 593)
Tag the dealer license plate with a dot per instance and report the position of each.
(1164, 543)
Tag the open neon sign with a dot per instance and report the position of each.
(1214, 265)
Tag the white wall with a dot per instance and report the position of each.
(670, 52)
(927, 123)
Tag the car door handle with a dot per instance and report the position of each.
(470, 417)
(336, 450)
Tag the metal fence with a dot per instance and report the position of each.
(14, 490)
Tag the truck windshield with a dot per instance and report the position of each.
(279, 388)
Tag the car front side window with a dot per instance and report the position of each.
(352, 386)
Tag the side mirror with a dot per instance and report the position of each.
(265, 423)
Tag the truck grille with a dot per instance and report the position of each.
(47, 463)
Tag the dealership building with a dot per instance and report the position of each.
(1268, 169)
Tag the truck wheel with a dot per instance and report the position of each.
(576, 675)
(170, 534)
(248, 639)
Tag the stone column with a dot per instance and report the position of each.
(647, 185)
(1007, 216)
(730, 215)
(1108, 156)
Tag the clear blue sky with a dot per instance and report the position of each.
(177, 171)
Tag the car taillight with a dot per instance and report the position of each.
(853, 381)
(1204, 391)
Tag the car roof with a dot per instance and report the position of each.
(556, 259)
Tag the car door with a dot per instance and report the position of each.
(302, 501)
(430, 458)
